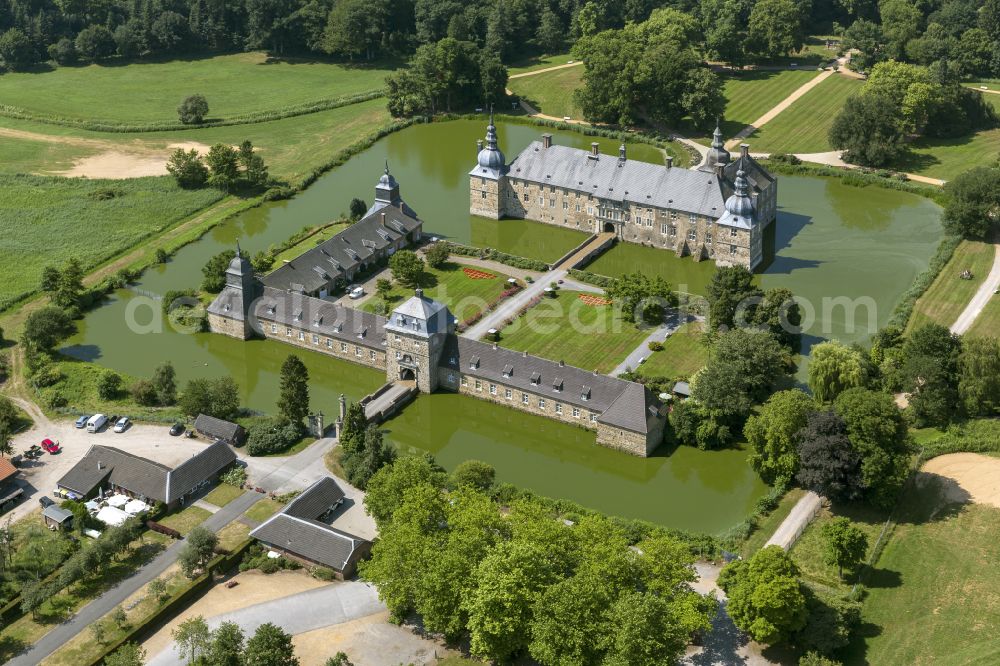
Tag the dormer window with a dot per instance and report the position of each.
(416, 325)
(298, 316)
(474, 363)
(557, 385)
(271, 309)
(508, 370)
(536, 378)
(585, 393)
(363, 333)
(318, 320)
(401, 320)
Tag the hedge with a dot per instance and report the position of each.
(979, 436)
(602, 281)
(489, 253)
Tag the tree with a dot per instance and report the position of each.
(358, 208)
(643, 631)
(474, 473)
(214, 397)
(16, 50)
(198, 550)
(157, 588)
(193, 109)
(383, 288)
(437, 254)
(867, 129)
(226, 646)
(95, 42)
(832, 620)
(293, 400)
(929, 371)
(828, 465)
(169, 31)
(765, 597)
(109, 385)
(214, 271)
(63, 51)
(834, 368)
(407, 268)
(187, 168)
(99, 632)
(388, 486)
(979, 380)
(129, 654)
(704, 98)
(642, 298)
(49, 282)
(771, 435)
(44, 328)
(866, 37)
(551, 35)
(192, 637)
(816, 659)
(775, 28)
(844, 545)
(165, 383)
(972, 209)
(128, 40)
(270, 646)
(70, 285)
(352, 432)
(900, 23)
(339, 659)
(143, 392)
(254, 169)
(373, 454)
(732, 298)
(119, 617)
(569, 619)
(223, 166)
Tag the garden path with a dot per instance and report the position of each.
(791, 527)
(671, 323)
(778, 108)
(987, 289)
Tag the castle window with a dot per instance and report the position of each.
(395, 337)
(482, 180)
(329, 343)
(576, 412)
(525, 196)
(451, 377)
(541, 201)
(708, 237)
(673, 215)
(524, 398)
(692, 235)
(593, 417)
(493, 389)
(357, 350)
(302, 336)
(288, 332)
(673, 230)
(484, 194)
(649, 221)
(692, 218)
(558, 408)
(343, 347)
(479, 385)
(541, 403)
(274, 328)
(399, 354)
(565, 205)
(371, 355)
(732, 232)
(552, 203)
(507, 393)
(590, 210)
(465, 381)
(663, 229)
(315, 339)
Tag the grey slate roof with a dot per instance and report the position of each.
(218, 428)
(320, 317)
(57, 513)
(318, 266)
(627, 401)
(420, 315)
(296, 529)
(229, 303)
(637, 183)
(206, 464)
(139, 475)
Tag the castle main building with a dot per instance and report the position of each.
(724, 211)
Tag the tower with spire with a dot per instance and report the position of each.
(718, 155)
(488, 179)
(230, 312)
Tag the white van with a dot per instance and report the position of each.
(96, 422)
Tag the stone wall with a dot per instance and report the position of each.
(630, 442)
(484, 196)
(227, 326)
(406, 351)
(368, 352)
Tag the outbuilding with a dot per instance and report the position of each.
(57, 518)
(226, 431)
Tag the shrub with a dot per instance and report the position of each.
(234, 476)
(63, 51)
(109, 385)
(143, 392)
(324, 573)
(655, 346)
(271, 436)
(437, 254)
(193, 110)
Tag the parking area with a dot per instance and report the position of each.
(38, 477)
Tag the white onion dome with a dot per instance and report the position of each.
(739, 203)
(491, 157)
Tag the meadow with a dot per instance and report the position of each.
(683, 354)
(803, 127)
(232, 84)
(551, 93)
(683, 273)
(949, 294)
(49, 220)
(535, 63)
(946, 158)
(988, 322)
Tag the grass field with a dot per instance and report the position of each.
(683, 354)
(749, 95)
(803, 127)
(526, 238)
(449, 284)
(551, 93)
(949, 294)
(987, 324)
(232, 84)
(939, 602)
(223, 494)
(263, 509)
(539, 62)
(186, 519)
(26, 156)
(567, 329)
(683, 273)
(48, 220)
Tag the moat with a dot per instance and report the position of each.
(833, 241)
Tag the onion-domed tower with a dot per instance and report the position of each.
(488, 179)
(717, 155)
(739, 231)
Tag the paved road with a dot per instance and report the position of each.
(107, 602)
(791, 527)
(296, 614)
(986, 291)
(671, 324)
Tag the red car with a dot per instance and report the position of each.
(50, 446)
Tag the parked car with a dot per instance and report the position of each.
(50, 446)
(356, 292)
(45, 501)
(82, 421)
(123, 424)
(96, 422)
(176, 430)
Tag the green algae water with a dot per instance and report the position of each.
(828, 235)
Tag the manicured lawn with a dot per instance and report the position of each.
(232, 84)
(935, 598)
(987, 324)
(683, 354)
(803, 127)
(540, 62)
(464, 295)
(525, 238)
(233, 535)
(48, 220)
(308, 243)
(551, 93)
(948, 296)
(767, 526)
(946, 158)
(683, 273)
(567, 329)
(749, 95)
(808, 550)
(263, 509)
(223, 494)
(186, 519)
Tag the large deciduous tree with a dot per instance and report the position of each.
(775, 27)
(844, 544)
(972, 209)
(270, 646)
(979, 379)
(771, 435)
(828, 465)
(765, 597)
(407, 268)
(833, 368)
(868, 130)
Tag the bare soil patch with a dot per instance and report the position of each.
(117, 163)
(976, 477)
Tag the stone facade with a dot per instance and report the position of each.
(234, 328)
(484, 196)
(368, 353)
(634, 443)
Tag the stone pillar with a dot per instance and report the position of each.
(338, 426)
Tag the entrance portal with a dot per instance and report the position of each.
(406, 374)
(609, 227)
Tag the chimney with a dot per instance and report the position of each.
(546, 140)
(100, 465)
(562, 364)
(594, 149)
(479, 146)
(744, 150)
(670, 161)
(718, 170)
(621, 152)
(524, 354)
(383, 219)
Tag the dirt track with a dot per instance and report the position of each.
(975, 474)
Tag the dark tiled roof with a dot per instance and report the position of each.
(636, 409)
(139, 475)
(229, 303)
(208, 462)
(316, 499)
(218, 428)
(310, 539)
(320, 317)
(315, 268)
